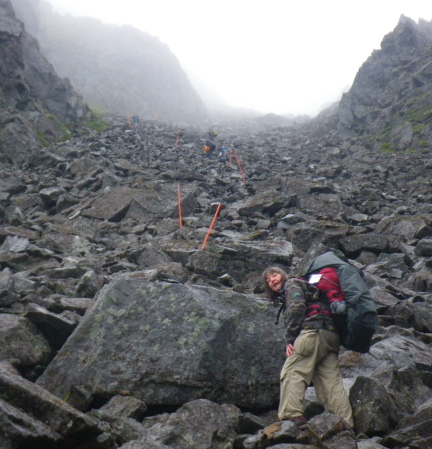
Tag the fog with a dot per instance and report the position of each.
(280, 56)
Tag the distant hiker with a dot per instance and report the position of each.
(210, 143)
(212, 134)
(223, 156)
(135, 120)
(312, 347)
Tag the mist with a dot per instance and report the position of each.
(282, 57)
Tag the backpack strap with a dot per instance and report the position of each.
(281, 310)
(315, 309)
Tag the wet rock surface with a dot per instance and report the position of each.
(113, 308)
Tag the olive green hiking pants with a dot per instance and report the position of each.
(315, 359)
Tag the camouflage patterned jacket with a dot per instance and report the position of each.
(303, 309)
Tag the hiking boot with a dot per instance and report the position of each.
(299, 421)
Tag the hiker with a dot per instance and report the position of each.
(312, 347)
(210, 144)
(223, 153)
(223, 156)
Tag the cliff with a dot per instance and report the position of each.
(34, 100)
(391, 97)
(119, 68)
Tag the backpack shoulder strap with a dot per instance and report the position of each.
(281, 310)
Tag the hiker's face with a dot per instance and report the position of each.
(274, 281)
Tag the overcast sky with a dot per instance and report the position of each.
(281, 56)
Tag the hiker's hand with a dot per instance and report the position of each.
(289, 350)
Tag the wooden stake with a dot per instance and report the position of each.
(211, 226)
(179, 206)
(240, 168)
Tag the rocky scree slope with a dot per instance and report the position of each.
(123, 332)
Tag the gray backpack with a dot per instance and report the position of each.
(358, 325)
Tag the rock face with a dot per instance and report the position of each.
(34, 100)
(120, 69)
(28, 12)
(391, 94)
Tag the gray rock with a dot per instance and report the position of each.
(383, 299)
(366, 107)
(7, 291)
(199, 329)
(51, 195)
(55, 327)
(369, 444)
(125, 407)
(329, 431)
(418, 434)
(424, 248)
(15, 244)
(405, 385)
(375, 412)
(127, 429)
(353, 245)
(23, 345)
(78, 305)
(13, 436)
(269, 203)
(246, 259)
(407, 227)
(41, 414)
(89, 284)
(194, 424)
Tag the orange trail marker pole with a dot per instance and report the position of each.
(179, 206)
(211, 226)
(240, 168)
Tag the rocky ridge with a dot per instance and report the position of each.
(119, 324)
(35, 102)
(391, 94)
(389, 103)
(119, 68)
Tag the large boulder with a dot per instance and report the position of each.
(171, 343)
